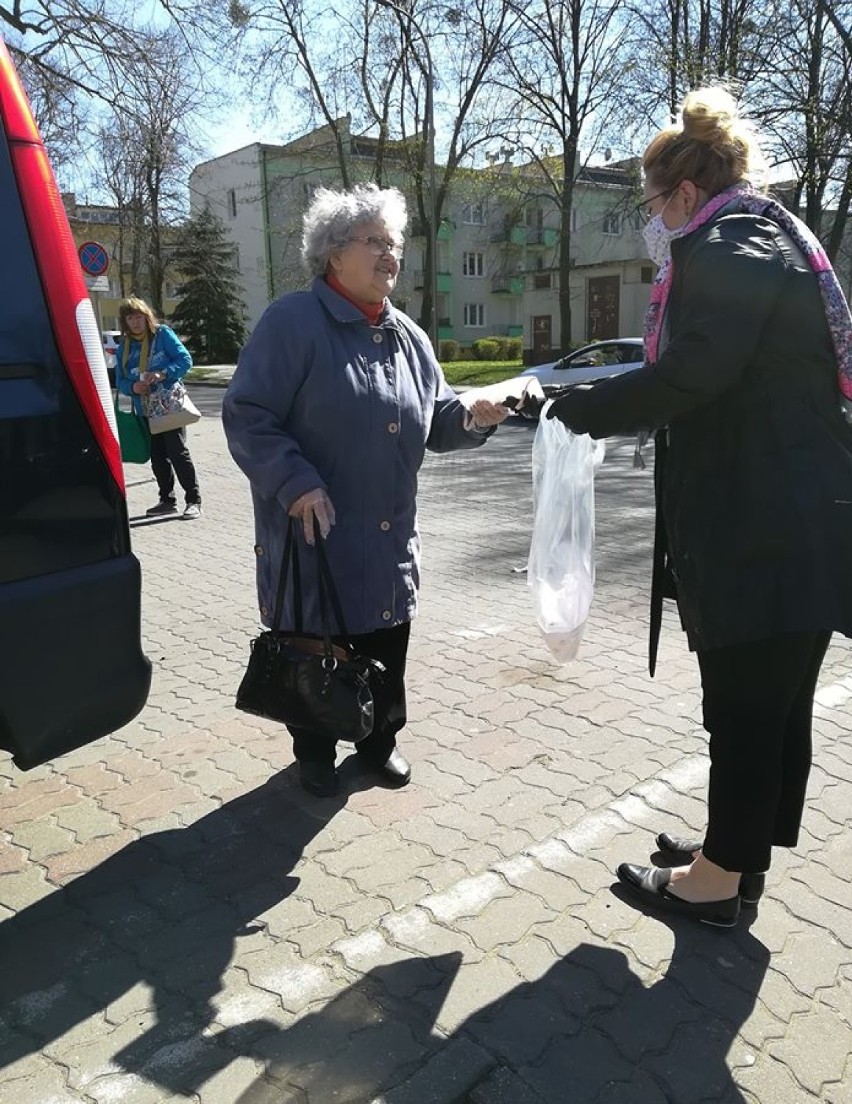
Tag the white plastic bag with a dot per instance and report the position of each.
(561, 567)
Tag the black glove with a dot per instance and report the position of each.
(570, 409)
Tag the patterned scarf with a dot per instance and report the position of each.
(741, 198)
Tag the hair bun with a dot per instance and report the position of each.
(711, 144)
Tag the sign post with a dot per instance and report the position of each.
(94, 260)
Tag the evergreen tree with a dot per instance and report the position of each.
(210, 316)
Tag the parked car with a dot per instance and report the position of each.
(73, 668)
(110, 340)
(596, 361)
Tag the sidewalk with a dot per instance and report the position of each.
(181, 922)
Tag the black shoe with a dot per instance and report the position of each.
(396, 770)
(649, 886)
(162, 508)
(682, 852)
(319, 779)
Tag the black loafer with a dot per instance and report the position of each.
(677, 848)
(396, 769)
(319, 779)
(649, 886)
(682, 851)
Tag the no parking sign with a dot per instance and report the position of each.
(94, 258)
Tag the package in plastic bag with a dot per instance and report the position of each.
(561, 568)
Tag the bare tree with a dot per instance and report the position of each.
(361, 72)
(86, 44)
(148, 153)
(807, 108)
(565, 70)
(464, 96)
(59, 109)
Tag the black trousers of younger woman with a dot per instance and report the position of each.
(169, 458)
(758, 702)
(390, 647)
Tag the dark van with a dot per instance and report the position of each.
(71, 662)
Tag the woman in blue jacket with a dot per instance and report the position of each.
(150, 357)
(334, 402)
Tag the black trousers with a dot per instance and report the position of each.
(169, 458)
(758, 703)
(390, 647)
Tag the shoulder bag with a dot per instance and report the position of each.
(134, 437)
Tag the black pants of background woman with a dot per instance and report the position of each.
(169, 458)
(758, 703)
(390, 647)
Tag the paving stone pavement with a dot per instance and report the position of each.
(178, 921)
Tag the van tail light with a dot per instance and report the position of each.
(74, 327)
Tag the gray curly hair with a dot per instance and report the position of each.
(332, 216)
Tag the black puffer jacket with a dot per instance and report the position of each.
(756, 491)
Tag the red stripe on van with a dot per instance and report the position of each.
(54, 251)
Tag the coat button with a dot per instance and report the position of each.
(377, 338)
(386, 616)
(258, 550)
(385, 526)
(393, 428)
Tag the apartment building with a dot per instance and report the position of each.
(497, 247)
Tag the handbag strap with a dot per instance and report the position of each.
(291, 553)
(327, 590)
(326, 585)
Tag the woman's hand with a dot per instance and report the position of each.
(314, 504)
(486, 414)
(141, 387)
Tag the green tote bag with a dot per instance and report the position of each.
(134, 437)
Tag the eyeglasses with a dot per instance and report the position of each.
(379, 247)
(642, 208)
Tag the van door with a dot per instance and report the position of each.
(71, 662)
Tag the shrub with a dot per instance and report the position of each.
(514, 348)
(449, 350)
(486, 348)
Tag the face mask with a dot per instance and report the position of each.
(658, 237)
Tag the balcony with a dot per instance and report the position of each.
(510, 235)
(418, 229)
(544, 237)
(445, 329)
(505, 283)
(445, 281)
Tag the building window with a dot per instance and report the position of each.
(473, 264)
(473, 214)
(541, 281)
(575, 220)
(647, 275)
(474, 315)
(611, 224)
(232, 203)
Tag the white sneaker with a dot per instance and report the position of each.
(192, 511)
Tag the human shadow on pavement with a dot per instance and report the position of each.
(589, 1029)
(165, 910)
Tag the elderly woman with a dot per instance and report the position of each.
(150, 357)
(748, 364)
(335, 399)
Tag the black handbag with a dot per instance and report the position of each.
(307, 682)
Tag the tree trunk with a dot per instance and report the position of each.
(569, 166)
